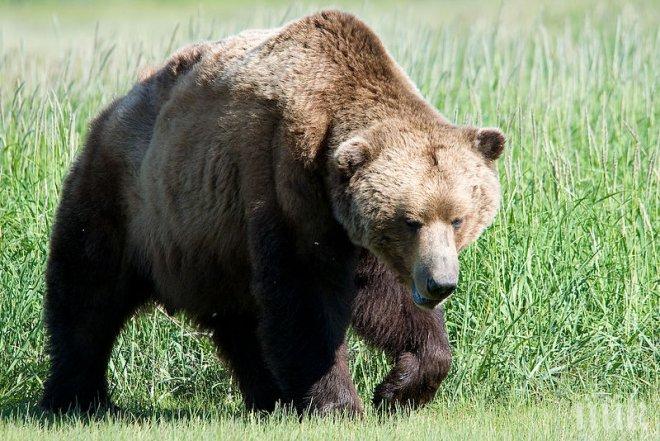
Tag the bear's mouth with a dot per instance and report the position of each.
(421, 301)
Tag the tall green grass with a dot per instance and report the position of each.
(558, 300)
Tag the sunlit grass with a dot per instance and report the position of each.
(616, 421)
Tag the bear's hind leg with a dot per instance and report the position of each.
(236, 338)
(91, 291)
(85, 310)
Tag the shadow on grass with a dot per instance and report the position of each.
(28, 412)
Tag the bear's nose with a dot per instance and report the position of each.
(438, 290)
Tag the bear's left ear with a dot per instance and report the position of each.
(351, 154)
(490, 142)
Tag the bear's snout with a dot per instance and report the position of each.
(434, 290)
(435, 272)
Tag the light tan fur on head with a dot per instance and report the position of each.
(416, 196)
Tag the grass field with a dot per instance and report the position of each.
(555, 326)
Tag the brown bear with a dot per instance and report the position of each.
(274, 186)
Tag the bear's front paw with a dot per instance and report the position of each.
(349, 406)
(412, 382)
(393, 394)
(335, 394)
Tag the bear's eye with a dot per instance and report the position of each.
(413, 224)
(456, 223)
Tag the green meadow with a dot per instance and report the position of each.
(556, 322)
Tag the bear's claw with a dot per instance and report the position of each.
(412, 382)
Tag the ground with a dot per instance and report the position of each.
(551, 421)
(555, 323)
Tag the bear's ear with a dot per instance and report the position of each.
(351, 154)
(490, 142)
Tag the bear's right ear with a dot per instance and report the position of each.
(351, 154)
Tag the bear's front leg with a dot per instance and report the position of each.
(305, 299)
(385, 316)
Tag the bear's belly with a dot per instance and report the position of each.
(203, 288)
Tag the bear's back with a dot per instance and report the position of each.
(126, 127)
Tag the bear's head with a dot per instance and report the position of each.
(416, 197)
